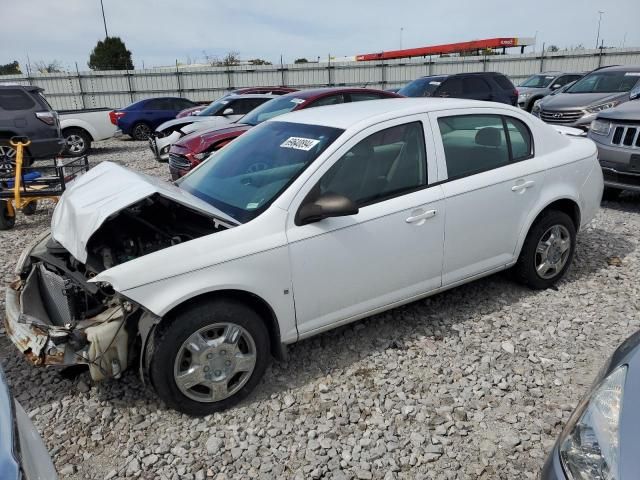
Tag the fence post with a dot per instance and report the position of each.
(130, 84)
(178, 79)
(383, 74)
(542, 59)
(282, 78)
(329, 84)
(229, 79)
(29, 79)
(600, 55)
(84, 104)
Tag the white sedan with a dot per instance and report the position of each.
(309, 221)
(223, 111)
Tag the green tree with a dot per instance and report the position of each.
(110, 54)
(259, 61)
(10, 68)
(552, 48)
(301, 60)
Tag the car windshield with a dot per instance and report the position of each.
(244, 177)
(213, 107)
(271, 109)
(421, 87)
(606, 82)
(538, 81)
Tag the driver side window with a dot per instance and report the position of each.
(385, 164)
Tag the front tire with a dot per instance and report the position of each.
(140, 131)
(547, 251)
(209, 356)
(78, 142)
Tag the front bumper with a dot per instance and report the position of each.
(99, 341)
(160, 145)
(620, 166)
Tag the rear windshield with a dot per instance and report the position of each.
(538, 81)
(504, 82)
(606, 82)
(15, 99)
(421, 87)
(270, 109)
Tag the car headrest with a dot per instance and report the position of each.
(363, 149)
(489, 137)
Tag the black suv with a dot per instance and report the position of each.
(24, 112)
(489, 86)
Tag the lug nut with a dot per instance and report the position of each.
(210, 356)
(223, 352)
(218, 373)
(206, 369)
(227, 363)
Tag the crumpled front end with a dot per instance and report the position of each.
(56, 318)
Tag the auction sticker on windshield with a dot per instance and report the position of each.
(300, 143)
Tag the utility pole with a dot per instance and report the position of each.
(600, 12)
(104, 20)
(401, 32)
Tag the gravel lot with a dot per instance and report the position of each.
(472, 383)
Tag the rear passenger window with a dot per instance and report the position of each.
(474, 85)
(477, 143)
(520, 137)
(386, 164)
(361, 97)
(15, 99)
(450, 88)
(329, 100)
(504, 82)
(473, 143)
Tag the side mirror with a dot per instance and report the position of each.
(634, 94)
(326, 206)
(227, 111)
(555, 86)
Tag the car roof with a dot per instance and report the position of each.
(316, 92)
(348, 114)
(249, 95)
(620, 68)
(28, 88)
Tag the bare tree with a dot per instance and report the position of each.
(231, 59)
(54, 66)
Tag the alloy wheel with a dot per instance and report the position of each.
(552, 251)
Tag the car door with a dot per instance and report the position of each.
(492, 181)
(158, 110)
(344, 268)
(476, 88)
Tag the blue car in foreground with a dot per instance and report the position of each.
(23, 456)
(600, 440)
(141, 118)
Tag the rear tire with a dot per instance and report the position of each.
(78, 142)
(548, 250)
(140, 131)
(610, 193)
(197, 340)
(7, 222)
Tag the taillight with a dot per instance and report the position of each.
(47, 117)
(114, 116)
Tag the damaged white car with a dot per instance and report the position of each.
(308, 221)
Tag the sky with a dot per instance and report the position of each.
(159, 32)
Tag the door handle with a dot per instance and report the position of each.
(421, 217)
(521, 187)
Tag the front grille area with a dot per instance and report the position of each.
(53, 290)
(626, 136)
(179, 162)
(561, 117)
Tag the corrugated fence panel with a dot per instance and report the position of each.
(114, 89)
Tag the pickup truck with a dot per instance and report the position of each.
(81, 127)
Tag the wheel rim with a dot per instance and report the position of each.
(214, 362)
(7, 157)
(142, 131)
(552, 251)
(75, 143)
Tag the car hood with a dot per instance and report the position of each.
(522, 90)
(200, 140)
(628, 111)
(104, 191)
(574, 101)
(176, 122)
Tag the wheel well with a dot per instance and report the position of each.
(68, 129)
(258, 304)
(567, 206)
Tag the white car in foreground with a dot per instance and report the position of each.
(309, 221)
(224, 111)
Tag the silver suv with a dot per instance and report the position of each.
(599, 90)
(617, 134)
(542, 84)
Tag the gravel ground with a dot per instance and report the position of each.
(472, 383)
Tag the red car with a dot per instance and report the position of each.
(262, 90)
(190, 150)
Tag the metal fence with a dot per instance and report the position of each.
(114, 89)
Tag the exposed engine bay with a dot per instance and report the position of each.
(66, 320)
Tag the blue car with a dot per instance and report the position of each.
(141, 118)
